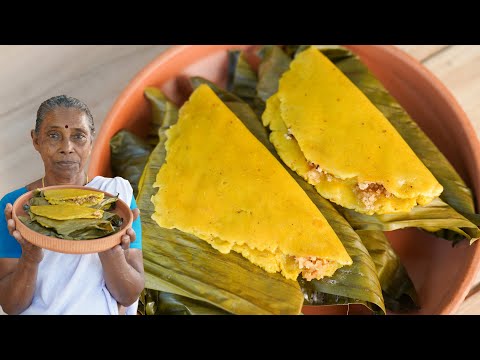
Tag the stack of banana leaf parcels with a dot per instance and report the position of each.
(72, 213)
(276, 192)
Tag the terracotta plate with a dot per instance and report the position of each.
(72, 246)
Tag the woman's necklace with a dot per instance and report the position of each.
(43, 182)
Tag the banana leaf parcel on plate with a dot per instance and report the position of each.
(159, 278)
(355, 284)
(325, 129)
(452, 216)
(236, 196)
(180, 263)
(72, 214)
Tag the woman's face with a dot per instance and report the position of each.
(64, 141)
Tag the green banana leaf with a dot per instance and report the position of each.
(129, 156)
(162, 111)
(274, 63)
(153, 302)
(38, 200)
(33, 225)
(241, 78)
(180, 263)
(130, 152)
(433, 217)
(108, 203)
(357, 283)
(399, 292)
(242, 81)
(80, 229)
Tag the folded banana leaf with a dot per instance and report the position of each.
(162, 111)
(432, 218)
(399, 292)
(153, 302)
(80, 229)
(449, 224)
(241, 78)
(86, 234)
(180, 263)
(38, 201)
(33, 225)
(129, 156)
(274, 63)
(108, 203)
(130, 152)
(357, 283)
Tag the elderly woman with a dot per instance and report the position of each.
(39, 281)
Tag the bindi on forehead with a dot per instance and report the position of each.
(67, 119)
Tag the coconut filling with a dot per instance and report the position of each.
(367, 192)
(310, 267)
(370, 192)
(91, 200)
(313, 267)
(88, 200)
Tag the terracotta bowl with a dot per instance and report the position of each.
(442, 275)
(72, 246)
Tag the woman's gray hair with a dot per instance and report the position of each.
(62, 101)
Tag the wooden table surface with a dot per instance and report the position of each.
(97, 75)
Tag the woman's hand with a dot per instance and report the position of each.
(130, 236)
(30, 252)
(127, 239)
